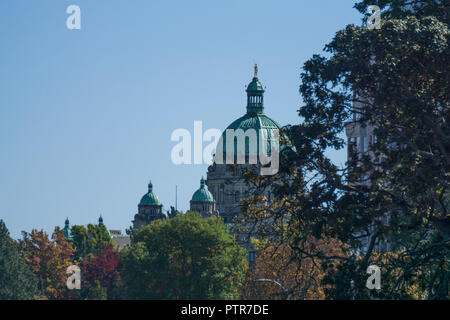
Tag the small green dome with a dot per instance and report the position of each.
(255, 85)
(202, 194)
(150, 199)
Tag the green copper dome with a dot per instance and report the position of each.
(150, 199)
(254, 119)
(261, 123)
(202, 194)
(255, 86)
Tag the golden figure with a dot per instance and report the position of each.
(256, 70)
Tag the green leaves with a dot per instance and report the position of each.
(186, 257)
(394, 80)
(17, 282)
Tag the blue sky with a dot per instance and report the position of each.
(86, 115)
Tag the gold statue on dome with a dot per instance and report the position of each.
(256, 70)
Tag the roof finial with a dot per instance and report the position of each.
(256, 70)
(150, 186)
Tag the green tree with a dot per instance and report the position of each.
(400, 194)
(80, 241)
(90, 240)
(186, 257)
(17, 282)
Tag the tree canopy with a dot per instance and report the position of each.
(395, 79)
(186, 257)
(17, 282)
(49, 259)
(90, 239)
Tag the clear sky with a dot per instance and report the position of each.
(86, 115)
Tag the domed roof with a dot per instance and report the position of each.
(202, 194)
(262, 124)
(150, 198)
(255, 85)
(254, 119)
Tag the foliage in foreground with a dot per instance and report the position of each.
(391, 203)
(17, 282)
(186, 257)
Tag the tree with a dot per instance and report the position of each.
(80, 241)
(17, 282)
(300, 275)
(90, 240)
(399, 195)
(399, 9)
(186, 257)
(48, 260)
(100, 275)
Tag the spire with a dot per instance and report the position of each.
(202, 183)
(255, 94)
(100, 221)
(150, 187)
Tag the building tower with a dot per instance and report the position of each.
(225, 181)
(149, 209)
(100, 221)
(203, 201)
(66, 231)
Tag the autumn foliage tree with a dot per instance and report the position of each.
(300, 275)
(48, 259)
(101, 275)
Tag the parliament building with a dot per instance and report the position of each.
(224, 188)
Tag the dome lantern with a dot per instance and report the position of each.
(255, 95)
